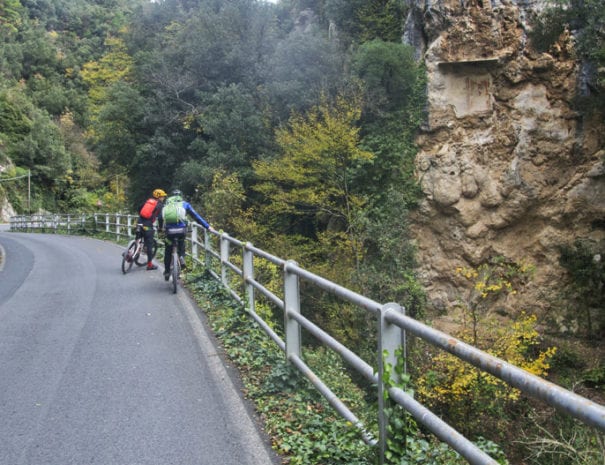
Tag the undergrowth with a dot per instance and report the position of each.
(303, 427)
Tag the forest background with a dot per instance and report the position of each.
(290, 125)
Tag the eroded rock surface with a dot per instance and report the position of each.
(507, 167)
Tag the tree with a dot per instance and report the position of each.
(115, 105)
(365, 20)
(42, 150)
(14, 123)
(9, 15)
(390, 75)
(310, 183)
(231, 131)
(304, 66)
(116, 65)
(116, 128)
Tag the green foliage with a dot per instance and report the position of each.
(42, 149)
(584, 262)
(231, 131)
(547, 28)
(115, 128)
(363, 20)
(595, 377)
(14, 123)
(223, 201)
(302, 425)
(386, 272)
(394, 98)
(479, 403)
(382, 19)
(9, 15)
(401, 426)
(103, 77)
(407, 444)
(427, 451)
(42, 114)
(567, 442)
(389, 73)
(585, 18)
(313, 177)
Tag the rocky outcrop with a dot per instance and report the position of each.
(6, 210)
(507, 167)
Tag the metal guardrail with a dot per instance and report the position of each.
(392, 324)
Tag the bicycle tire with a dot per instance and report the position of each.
(174, 271)
(128, 256)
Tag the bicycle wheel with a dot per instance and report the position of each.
(174, 271)
(141, 256)
(128, 256)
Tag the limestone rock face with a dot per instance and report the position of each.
(507, 167)
(6, 210)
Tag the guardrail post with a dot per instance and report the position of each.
(194, 251)
(118, 226)
(207, 248)
(390, 339)
(224, 243)
(248, 274)
(291, 305)
(68, 223)
(107, 222)
(129, 226)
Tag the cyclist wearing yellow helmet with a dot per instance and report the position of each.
(158, 194)
(148, 213)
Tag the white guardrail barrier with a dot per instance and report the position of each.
(220, 253)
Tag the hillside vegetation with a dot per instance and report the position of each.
(293, 126)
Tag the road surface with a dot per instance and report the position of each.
(97, 367)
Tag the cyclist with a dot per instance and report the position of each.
(148, 213)
(175, 223)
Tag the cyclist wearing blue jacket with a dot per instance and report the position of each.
(176, 231)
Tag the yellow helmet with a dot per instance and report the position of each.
(159, 193)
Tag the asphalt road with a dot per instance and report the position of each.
(97, 367)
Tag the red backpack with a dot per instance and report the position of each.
(148, 208)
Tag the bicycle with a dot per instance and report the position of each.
(175, 265)
(136, 252)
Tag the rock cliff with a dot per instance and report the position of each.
(507, 167)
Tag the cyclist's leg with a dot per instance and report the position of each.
(181, 250)
(169, 242)
(148, 236)
(139, 258)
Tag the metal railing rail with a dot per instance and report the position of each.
(236, 273)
